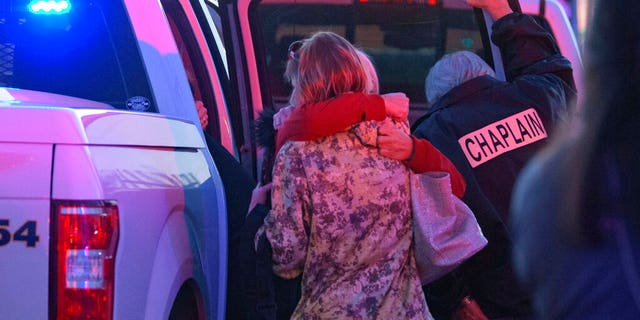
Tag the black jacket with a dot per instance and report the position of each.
(489, 129)
(265, 295)
(237, 191)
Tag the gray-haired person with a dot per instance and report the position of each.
(452, 70)
(489, 129)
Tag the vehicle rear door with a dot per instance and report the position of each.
(25, 200)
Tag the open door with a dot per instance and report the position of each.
(404, 39)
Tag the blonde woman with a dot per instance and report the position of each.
(341, 213)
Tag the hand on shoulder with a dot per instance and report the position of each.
(396, 105)
(393, 142)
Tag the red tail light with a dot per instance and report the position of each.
(86, 239)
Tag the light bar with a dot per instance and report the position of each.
(49, 7)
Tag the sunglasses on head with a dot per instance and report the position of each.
(293, 49)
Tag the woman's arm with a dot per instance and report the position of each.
(316, 120)
(419, 154)
(288, 222)
(426, 157)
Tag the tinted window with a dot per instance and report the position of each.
(215, 35)
(89, 52)
(193, 62)
(404, 39)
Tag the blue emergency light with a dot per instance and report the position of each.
(49, 7)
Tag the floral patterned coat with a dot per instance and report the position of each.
(341, 215)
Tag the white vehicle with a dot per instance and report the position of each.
(111, 204)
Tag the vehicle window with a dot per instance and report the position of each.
(87, 51)
(215, 35)
(193, 62)
(403, 38)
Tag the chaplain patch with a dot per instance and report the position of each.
(502, 136)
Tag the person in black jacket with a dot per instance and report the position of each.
(268, 297)
(237, 191)
(489, 129)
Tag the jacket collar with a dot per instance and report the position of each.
(458, 94)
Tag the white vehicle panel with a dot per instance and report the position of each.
(38, 124)
(25, 170)
(172, 261)
(143, 129)
(150, 185)
(25, 173)
(24, 270)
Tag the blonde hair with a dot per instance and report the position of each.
(373, 85)
(327, 66)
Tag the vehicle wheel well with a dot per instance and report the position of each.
(188, 304)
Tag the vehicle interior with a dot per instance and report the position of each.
(403, 38)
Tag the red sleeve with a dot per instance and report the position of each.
(316, 120)
(426, 157)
